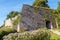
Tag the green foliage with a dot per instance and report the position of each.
(5, 31)
(56, 14)
(12, 14)
(43, 28)
(39, 35)
(17, 20)
(40, 3)
(54, 36)
(58, 5)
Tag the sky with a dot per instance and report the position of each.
(7, 6)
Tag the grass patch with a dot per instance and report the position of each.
(41, 35)
(54, 36)
(44, 28)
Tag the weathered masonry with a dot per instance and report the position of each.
(32, 19)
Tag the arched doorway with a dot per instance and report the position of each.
(48, 24)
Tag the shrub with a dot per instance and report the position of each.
(34, 35)
(5, 31)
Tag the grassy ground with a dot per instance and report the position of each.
(54, 36)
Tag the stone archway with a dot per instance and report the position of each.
(49, 24)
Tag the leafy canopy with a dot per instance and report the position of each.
(12, 14)
(56, 13)
(58, 5)
(17, 20)
(40, 3)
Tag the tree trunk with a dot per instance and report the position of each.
(56, 22)
(18, 28)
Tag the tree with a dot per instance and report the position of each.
(17, 22)
(56, 14)
(12, 14)
(58, 5)
(40, 3)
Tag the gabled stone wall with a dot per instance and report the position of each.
(33, 19)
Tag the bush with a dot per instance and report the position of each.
(34, 35)
(5, 31)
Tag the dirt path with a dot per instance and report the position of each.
(55, 31)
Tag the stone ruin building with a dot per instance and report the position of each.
(32, 19)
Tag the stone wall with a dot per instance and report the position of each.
(9, 22)
(33, 19)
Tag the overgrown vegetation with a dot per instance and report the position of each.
(56, 14)
(17, 20)
(40, 3)
(35, 35)
(12, 14)
(54, 36)
(5, 31)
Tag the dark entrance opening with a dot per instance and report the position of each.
(48, 24)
